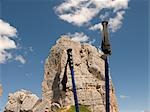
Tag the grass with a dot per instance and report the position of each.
(82, 108)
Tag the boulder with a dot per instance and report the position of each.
(21, 101)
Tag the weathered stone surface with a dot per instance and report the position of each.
(89, 76)
(1, 90)
(42, 106)
(89, 72)
(21, 101)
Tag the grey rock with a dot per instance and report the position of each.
(89, 76)
(21, 101)
(89, 70)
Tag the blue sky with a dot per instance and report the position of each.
(38, 27)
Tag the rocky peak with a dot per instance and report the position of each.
(89, 76)
(89, 70)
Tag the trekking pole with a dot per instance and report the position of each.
(107, 86)
(70, 59)
(107, 51)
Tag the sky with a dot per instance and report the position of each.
(29, 28)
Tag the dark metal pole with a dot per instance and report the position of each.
(107, 51)
(70, 59)
(107, 85)
(105, 39)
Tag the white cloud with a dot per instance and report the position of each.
(6, 42)
(104, 16)
(124, 96)
(4, 56)
(119, 4)
(116, 22)
(79, 12)
(80, 17)
(78, 37)
(96, 27)
(7, 30)
(20, 59)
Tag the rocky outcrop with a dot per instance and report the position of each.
(1, 90)
(42, 106)
(89, 70)
(89, 76)
(21, 101)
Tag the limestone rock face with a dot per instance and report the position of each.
(42, 106)
(89, 76)
(1, 90)
(21, 101)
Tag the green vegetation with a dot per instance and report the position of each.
(81, 107)
(72, 109)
